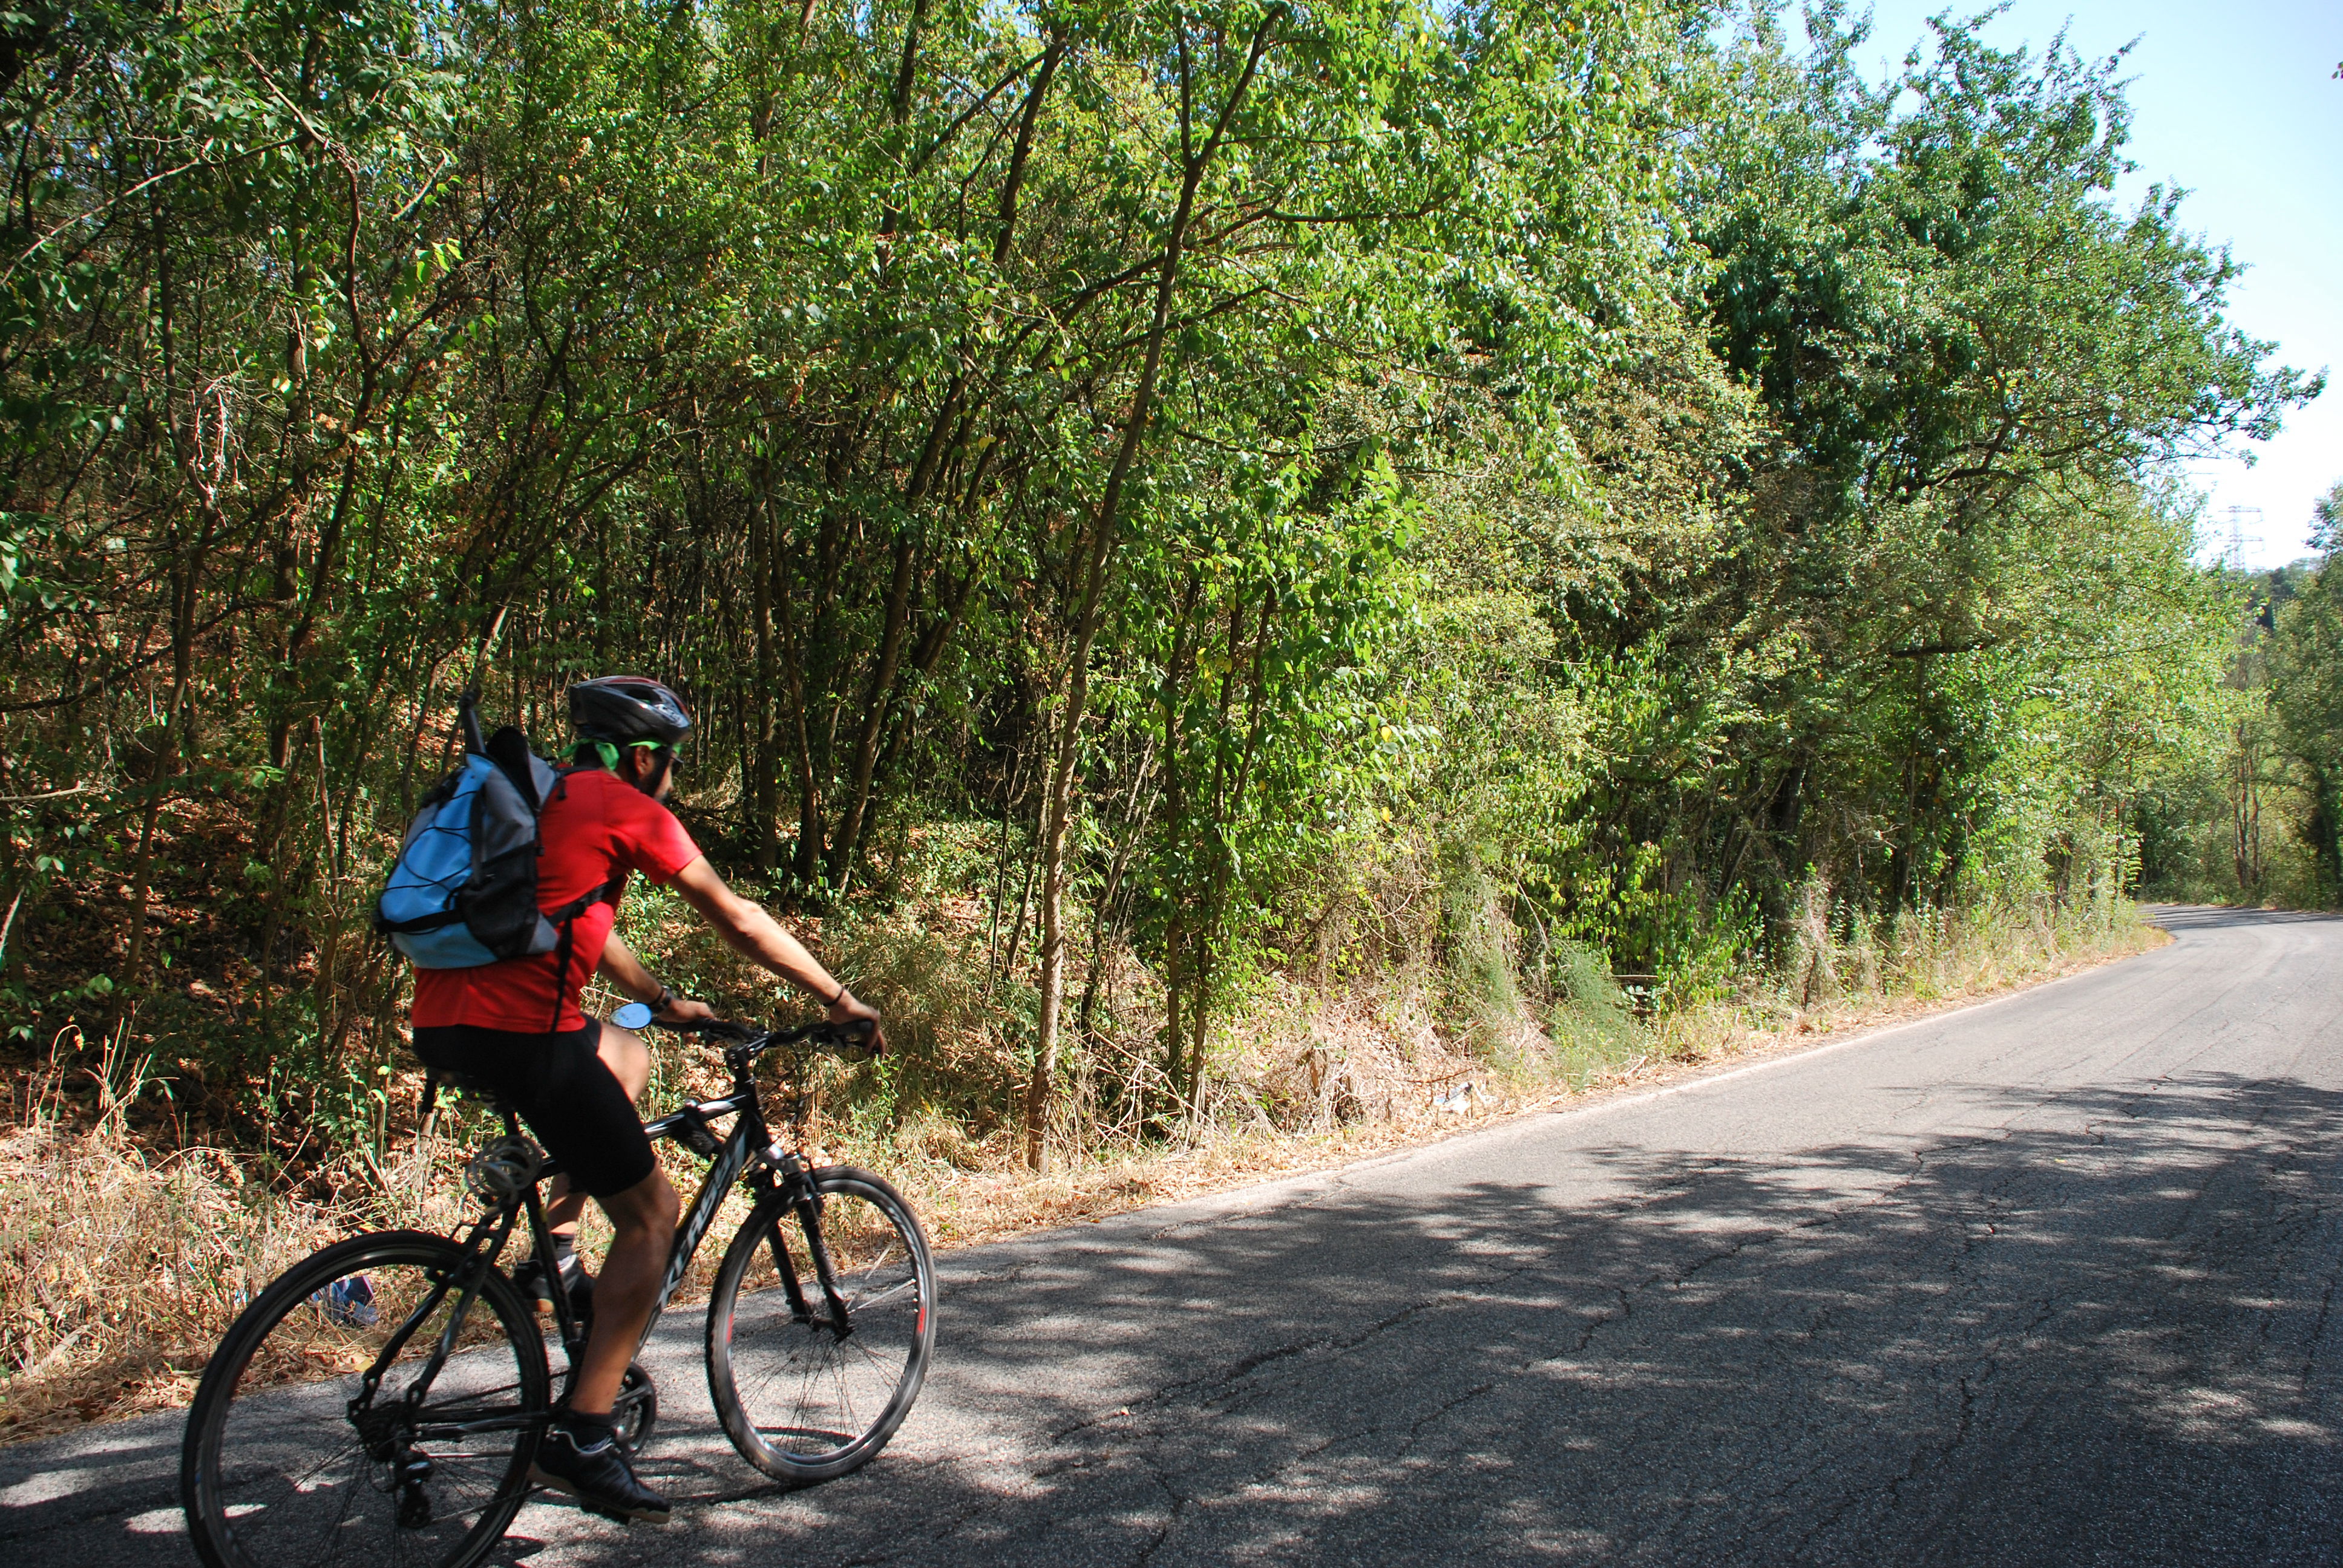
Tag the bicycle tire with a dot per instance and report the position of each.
(276, 1470)
(801, 1401)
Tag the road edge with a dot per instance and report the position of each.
(1287, 1188)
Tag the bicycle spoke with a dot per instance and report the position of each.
(845, 1394)
(890, 1292)
(337, 1535)
(868, 1355)
(294, 1482)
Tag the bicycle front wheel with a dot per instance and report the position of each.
(820, 1328)
(291, 1460)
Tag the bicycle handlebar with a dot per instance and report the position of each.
(851, 1038)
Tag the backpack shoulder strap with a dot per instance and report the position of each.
(509, 750)
(607, 893)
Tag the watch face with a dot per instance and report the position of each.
(634, 1015)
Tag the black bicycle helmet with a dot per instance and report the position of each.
(625, 709)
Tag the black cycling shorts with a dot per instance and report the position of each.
(570, 1100)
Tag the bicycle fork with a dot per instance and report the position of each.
(795, 1186)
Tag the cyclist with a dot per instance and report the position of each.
(576, 1086)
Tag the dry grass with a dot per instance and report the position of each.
(1842, 978)
(119, 1269)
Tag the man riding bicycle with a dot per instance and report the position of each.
(575, 1087)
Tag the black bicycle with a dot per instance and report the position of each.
(382, 1400)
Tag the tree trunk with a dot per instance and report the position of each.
(1227, 804)
(1009, 798)
(166, 766)
(1175, 988)
(1200, 984)
(807, 857)
(765, 763)
(1102, 914)
(1054, 869)
(876, 702)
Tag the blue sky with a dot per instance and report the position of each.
(2238, 104)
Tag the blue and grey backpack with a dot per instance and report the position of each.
(463, 892)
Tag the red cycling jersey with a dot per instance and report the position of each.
(596, 828)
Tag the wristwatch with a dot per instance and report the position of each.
(666, 1000)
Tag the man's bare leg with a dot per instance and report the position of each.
(642, 1219)
(581, 1452)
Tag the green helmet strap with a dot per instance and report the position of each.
(606, 750)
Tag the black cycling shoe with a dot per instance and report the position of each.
(591, 1465)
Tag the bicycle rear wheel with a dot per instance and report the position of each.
(804, 1393)
(289, 1463)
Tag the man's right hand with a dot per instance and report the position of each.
(849, 1008)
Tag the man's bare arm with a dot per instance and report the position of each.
(757, 936)
(624, 970)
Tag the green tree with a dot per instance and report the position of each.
(2305, 686)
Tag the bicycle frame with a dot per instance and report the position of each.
(730, 1158)
(417, 1444)
(783, 1172)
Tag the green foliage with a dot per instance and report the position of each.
(1508, 492)
(2304, 682)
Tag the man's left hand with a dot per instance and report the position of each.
(684, 1010)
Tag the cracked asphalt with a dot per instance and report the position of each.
(2048, 1281)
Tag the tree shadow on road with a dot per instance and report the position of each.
(2095, 1329)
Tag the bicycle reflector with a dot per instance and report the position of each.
(502, 1172)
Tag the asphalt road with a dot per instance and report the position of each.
(2044, 1282)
